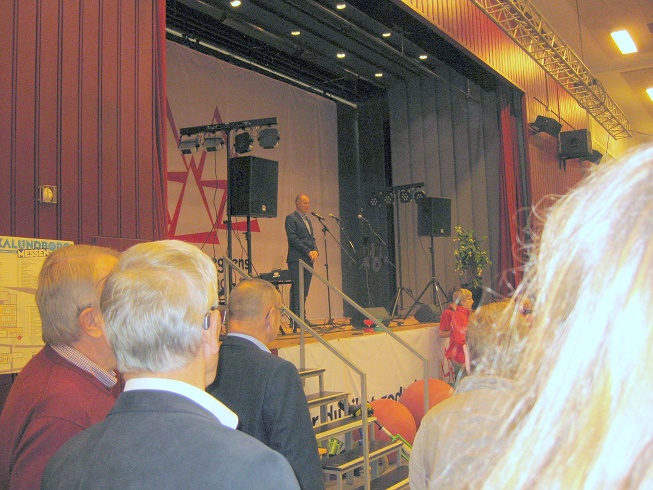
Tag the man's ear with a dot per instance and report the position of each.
(90, 320)
(210, 336)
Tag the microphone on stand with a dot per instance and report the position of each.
(360, 216)
(317, 215)
(335, 218)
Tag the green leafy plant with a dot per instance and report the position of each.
(470, 258)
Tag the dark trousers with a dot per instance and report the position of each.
(293, 267)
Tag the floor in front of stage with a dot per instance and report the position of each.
(338, 328)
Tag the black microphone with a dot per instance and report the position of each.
(335, 218)
(317, 215)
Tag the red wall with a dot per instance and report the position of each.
(79, 110)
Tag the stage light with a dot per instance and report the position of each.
(405, 196)
(388, 197)
(374, 200)
(419, 195)
(213, 143)
(243, 142)
(595, 157)
(188, 146)
(546, 125)
(268, 138)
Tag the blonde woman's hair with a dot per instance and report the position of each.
(585, 417)
(68, 283)
(461, 295)
(154, 305)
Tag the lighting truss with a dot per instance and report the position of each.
(525, 25)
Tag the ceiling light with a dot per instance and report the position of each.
(378, 75)
(235, 3)
(423, 56)
(341, 5)
(624, 42)
(649, 91)
(340, 55)
(386, 34)
(295, 33)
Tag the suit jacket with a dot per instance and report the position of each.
(158, 439)
(266, 393)
(300, 240)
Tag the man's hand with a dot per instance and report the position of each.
(313, 255)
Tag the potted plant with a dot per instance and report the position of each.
(471, 259)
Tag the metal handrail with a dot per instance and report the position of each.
(304, 266)
(229, 265)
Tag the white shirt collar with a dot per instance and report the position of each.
(210, 403)
(255, 341)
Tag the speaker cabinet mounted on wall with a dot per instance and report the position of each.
(253, 187)
(576, 144)
(434, 216)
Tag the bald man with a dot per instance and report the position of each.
(264, 390)
(301, 245)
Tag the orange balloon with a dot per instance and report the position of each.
(413, 397)
(395, 417)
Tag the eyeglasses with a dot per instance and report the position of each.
(223, 316)
(272, 309)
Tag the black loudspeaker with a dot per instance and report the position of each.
(253, 187)
(434, 216)
(576, 144)
(546, 125)
(427, 314)
(380, 314)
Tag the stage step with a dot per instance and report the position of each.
(353, 458)
(339, 426)
(390, 480)
(326, 397)
(310, 372)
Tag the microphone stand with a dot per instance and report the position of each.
(326, 266)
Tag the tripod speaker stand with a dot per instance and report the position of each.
(434, 219)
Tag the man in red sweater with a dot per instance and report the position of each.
(70, 384)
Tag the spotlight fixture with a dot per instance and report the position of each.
(235, 3)
(378, 74)
(405, 196)
(340, 55)
(546, 125)
(386, 34)
(188, 146)
(243, 142)
(213, 143)
(341, 5)
(595, 157)
(423, 57)
(388, 197)
(374, 200)
(268, 138)
(419, 195)
(295, 32)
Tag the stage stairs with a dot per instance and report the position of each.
(352, 458)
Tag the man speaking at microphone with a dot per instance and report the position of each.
(301, 245)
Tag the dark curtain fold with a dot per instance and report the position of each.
(512, 198)
(160, 150)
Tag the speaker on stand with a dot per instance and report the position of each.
(433, 219)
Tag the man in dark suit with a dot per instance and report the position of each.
(264, 390)
(165, 431)
(301, 245)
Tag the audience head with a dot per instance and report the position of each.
(496, 341)
(584, 418)
(255, 309)
(158, 304)
(68, 294)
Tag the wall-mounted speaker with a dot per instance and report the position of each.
(253, 187)
(434, 216)
(547, 125)
(576, 144)
(378, 313)
(427, 314)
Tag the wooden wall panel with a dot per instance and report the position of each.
(79, 85)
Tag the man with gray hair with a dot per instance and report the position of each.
(70, 384)
(165, 431)
(263, 389)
